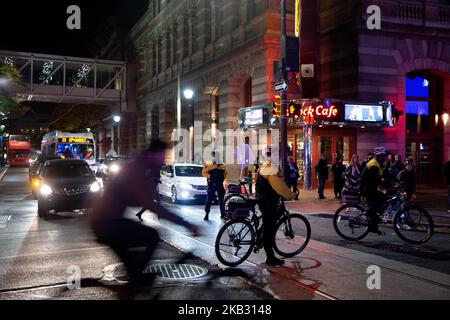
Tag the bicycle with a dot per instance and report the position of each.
(239, 192)
(412, 223)
(243, 234)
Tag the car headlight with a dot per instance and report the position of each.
(45, 190)
(185, 185)
(115, 168)
(35, 183)
(95, 187)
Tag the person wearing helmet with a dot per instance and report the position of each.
(270, 187)
(372, 187)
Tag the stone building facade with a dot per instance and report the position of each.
(225, 51)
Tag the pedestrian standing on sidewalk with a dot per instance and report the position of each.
(292, 175)
(407, 178)
(322, 175)
(338, 170)
(216, 173)
(447, 180)
(353, 174)
(369, 157)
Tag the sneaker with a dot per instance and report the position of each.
(274, 261)
(206, 218)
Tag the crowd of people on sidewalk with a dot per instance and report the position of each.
(348, 178)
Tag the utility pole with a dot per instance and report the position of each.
(283, 122)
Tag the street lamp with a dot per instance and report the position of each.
(117, 119)
(189, 95)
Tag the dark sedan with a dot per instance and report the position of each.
(66, 185)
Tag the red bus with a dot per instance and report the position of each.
(18, 150)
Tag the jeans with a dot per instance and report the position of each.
(322, 181)
(293, 184)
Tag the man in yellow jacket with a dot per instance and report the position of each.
(270, 187)
(216, 173)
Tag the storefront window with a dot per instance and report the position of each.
(325, 147)
(290, 150)
(343, 148)
(300, 155)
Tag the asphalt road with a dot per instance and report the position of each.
(36, 255)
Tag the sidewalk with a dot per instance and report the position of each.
(432, 198)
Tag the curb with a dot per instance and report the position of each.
(330, 216)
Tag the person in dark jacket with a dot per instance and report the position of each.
(407, 178)
(292, 175)
(131, 188)
(270, 187)
(447, 180)
(338, 170)
(322, 175)
(216, 173)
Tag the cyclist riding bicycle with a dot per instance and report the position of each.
(270, 187)
(373, 187)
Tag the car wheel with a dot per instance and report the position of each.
(173, 195)
(42, 210)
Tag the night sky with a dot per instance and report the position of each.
(40, 26)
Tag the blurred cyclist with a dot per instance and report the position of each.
(131, 188)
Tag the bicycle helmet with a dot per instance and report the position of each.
(379, 151)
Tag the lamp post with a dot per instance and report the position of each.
(189, 95)
(283, 122)
(117, 119)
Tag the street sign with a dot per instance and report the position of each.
(280, 86)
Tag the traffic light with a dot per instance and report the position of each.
(276, 106)
(294, 110)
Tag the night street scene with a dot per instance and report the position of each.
(228, 156)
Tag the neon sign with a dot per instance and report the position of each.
(320, 112)
(75, 140)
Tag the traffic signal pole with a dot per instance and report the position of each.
(283, 75)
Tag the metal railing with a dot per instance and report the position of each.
(53, 78)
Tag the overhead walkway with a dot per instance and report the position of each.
(62, 79)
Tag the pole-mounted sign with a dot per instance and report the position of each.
(280, 86)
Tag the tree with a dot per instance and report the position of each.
(76, 118)
(10, 84)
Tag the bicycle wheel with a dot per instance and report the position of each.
(235, 242)
(350, 222)
(292, 235)
(413, 225)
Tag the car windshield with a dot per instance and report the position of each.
(188, 171)
(76, 151)
(19, 138)
(72, 170)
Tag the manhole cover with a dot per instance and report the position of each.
(177, 271)
(4, 218)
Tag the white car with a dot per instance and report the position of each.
(182, 182)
